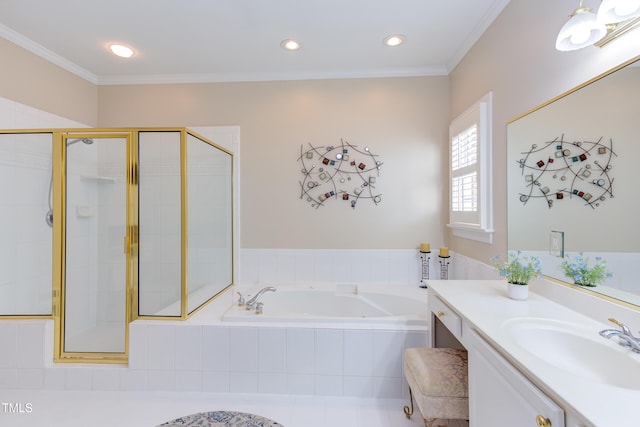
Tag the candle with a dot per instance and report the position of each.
(425, 247)
(444, 252)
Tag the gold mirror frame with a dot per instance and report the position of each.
(627, 27)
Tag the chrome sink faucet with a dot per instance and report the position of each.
(624, 334)
(252, 302)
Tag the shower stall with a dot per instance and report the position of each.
(104, 226)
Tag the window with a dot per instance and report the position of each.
(470, 209)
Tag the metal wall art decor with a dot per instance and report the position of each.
(341, 172)
(559, 170)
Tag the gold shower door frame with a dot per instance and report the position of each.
(130, 241)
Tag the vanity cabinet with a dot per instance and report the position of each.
(499, 394)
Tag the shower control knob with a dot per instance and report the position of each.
(49, 218)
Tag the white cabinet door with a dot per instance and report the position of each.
(500, 396)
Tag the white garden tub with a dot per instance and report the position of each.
(341, 303)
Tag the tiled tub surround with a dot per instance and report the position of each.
(272, 358)
(309, 266)
(206, 354)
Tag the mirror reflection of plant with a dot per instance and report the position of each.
(518, 269)
(582, 274)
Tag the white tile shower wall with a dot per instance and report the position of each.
(109, 228)
(25, 171)
(81, 282)
(160, 214)
(25, 238)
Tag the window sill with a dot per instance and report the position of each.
(472, 233)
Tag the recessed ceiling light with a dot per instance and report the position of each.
(393, 40)
(290, 44)
(121, 50)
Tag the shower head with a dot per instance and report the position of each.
(87, 141)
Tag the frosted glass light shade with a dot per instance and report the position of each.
(614, 11)
(581, 30)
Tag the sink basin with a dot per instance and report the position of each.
(572, 348)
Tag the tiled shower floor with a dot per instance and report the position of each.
(149, 409)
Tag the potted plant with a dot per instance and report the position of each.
(582, 274)
(519, 270)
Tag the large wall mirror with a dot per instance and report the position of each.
(573, 171)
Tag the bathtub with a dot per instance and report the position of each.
(339, 303)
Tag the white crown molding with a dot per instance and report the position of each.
(46, 54)
(262, 77)
(493, 12)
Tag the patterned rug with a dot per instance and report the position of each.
(222, 419)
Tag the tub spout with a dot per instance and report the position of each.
(252, 302)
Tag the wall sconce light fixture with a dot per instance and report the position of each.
(585, 28)
(614, 11)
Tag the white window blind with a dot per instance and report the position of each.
(464, 193)
(464, 148)
(464, 184)
(470, 213)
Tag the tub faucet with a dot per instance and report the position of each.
(624, 334)
(252, 302)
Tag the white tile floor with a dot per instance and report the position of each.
(148, 409)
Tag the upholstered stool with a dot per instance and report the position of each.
(438, 382)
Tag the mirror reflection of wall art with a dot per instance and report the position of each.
(341, 172)
(558, 170)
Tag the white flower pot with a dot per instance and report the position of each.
(518, 292)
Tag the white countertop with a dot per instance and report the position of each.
(484, 305)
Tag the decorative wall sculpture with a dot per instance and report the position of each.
(560, 170)
(338, 173)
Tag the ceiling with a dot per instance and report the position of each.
(180, 41)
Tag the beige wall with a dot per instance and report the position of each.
(517, 60)
(28, 79)
(403, 120)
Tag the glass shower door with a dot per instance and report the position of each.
(95, 229)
